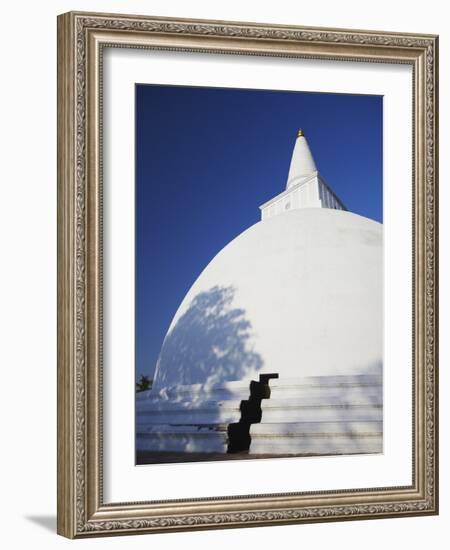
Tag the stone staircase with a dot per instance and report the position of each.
(310, 416)
(321, 415)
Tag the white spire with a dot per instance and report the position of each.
(305, 187)
(302, 162)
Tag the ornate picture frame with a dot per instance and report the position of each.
(82, 509)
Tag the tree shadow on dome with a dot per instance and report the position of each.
(209, 344)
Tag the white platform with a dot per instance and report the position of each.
(309, 415)
(187, 439)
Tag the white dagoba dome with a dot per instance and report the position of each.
(297, 294)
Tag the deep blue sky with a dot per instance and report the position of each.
(206, 158)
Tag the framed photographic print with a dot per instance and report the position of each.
(247, 277)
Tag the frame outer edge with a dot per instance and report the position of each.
(436, 269)
(66, 524)
(77, 429)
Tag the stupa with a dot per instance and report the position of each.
(277, 347)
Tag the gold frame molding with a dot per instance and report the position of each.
(81, 39)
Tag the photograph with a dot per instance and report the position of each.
(258, 274)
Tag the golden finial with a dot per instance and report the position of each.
(300, 133)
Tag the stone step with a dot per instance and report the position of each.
(355, 380)
(270, 413)
(312, 428)
(200, 416)
(161, 405)
(321, 413)
(190, 439)
(315, 399)
(329, 396)
(241, 387)
(198, 411)
(323, 444)
(185, 428)
(327, 392)
(223, 391)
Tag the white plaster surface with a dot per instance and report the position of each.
(299, 294)
(302, 162)
(310, 192)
